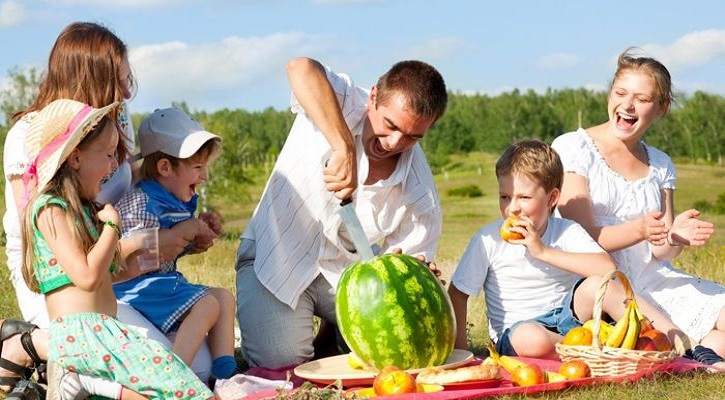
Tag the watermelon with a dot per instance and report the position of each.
(392, 310)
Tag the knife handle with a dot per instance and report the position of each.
(346, 201)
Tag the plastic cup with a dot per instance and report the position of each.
(147, 256)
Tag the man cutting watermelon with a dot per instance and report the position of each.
(346, 142)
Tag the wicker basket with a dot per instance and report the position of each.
(610, 361)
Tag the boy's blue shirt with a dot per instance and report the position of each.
(167, 207)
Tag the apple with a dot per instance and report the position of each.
(645, 343)
(506, 233)
(646, 326)
(528, 375)
(575, 369)
(662, 342)
(393, 380)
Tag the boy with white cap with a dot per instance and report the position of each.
(176, 151)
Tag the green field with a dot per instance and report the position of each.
(462, 217)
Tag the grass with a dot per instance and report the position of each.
(462, 217)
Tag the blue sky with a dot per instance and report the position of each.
(217, 54)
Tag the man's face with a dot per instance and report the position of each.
(392, 128)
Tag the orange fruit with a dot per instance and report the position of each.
(578, 336)
(575, 369)
(506, 233)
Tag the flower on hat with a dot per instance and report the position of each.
(54, 132)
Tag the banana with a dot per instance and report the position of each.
(506, 362)
(356, 362)
(637, 311)
(630, 339)
(605, 329)
(616, 338)
(552, 377)
(645, 323)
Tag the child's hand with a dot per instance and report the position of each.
(688, 229)
(109, 213)
(531, 239)
(204, 238)
(213, 221)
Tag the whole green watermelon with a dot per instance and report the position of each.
(392, 310)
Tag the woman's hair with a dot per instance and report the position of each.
(209, 151)
(66, 185)
(629, 61)
(421, 85)
(84, 65)
(534, 159)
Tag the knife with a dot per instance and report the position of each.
(354, 228)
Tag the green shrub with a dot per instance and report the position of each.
(703, 206)
(719, 207)
(466, 191)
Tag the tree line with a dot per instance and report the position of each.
(694, 130)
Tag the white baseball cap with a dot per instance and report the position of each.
(172, 132)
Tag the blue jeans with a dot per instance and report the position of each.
(559, 320)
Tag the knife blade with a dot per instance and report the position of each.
(354, 228)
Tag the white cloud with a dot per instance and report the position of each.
(221, 70)
(115, 4)
(692, 49)
(437, 48)
(335, 2)
(596, 87)
(11, 13)
(558, 61)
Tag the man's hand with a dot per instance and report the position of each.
(340, 175)
(430, 264)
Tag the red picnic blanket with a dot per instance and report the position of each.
(677, 366)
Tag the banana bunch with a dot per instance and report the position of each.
(626, 331)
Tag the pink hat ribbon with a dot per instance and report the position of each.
(31, 173)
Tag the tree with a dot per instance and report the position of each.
(21, 91)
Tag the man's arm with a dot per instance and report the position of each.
(315, 94)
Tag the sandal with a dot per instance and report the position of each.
(27, 390)
(8, 329)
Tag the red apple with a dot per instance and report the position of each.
(661, 341)
(645, 343)
(393, 380)
(528, 375)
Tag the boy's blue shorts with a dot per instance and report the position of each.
(559, 320)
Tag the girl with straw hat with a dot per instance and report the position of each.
(71, 249)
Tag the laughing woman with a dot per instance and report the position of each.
(622, 191)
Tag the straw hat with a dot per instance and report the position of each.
(54, 132)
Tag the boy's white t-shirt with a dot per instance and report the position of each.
(516, 286)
